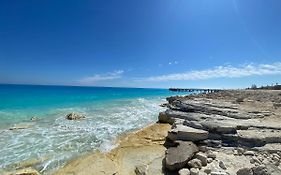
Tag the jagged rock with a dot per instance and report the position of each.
(164, 118)
(209, 160)
(202, 157)
(184, 171)
(74, 116)
(141, 170)
(186, 133)
(260, 170)
(222, 165)
(245, 171)
(194, 171)
(208, 170)
(177, 157)
(195, 163)
(240, 151)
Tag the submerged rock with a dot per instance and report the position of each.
(74, 116)
(177, 157)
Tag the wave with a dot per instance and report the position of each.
(53, 140)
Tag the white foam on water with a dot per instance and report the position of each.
(52, 141)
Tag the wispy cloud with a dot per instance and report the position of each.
(222, 72)
(102, 77)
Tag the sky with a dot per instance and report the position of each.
(146, 43)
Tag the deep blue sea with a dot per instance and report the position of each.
(48, 142)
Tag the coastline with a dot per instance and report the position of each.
(223, 133)
(232, 132)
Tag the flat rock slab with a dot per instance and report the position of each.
(177, 157)
(222, 127)
(259, 137)
(186, 133)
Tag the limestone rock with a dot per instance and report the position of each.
(193, 124)
(219, 127)
(260, 170)
(194, 171)
(249, 153)
(195, 163)
(186, 133)
(164, 118)
(184, 171)
(222, 165)
(74, 116)
(218, 173)
(240, 151)
(211, 154)
(209, 160)
(207, 171)
(202, 157)
(177, 157)
(245, 171)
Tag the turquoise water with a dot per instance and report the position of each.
(50, 140)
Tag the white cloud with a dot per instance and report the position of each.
(222, 72)
(102, 77)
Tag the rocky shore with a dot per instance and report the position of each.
(228, 132)
(222, 133)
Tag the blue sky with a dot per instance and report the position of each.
(147, 43)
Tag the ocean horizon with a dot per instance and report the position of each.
(34, 129)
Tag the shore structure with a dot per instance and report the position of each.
(195, 90)
(221, 133)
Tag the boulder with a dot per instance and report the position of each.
(177, 157)
(245, 171)
(74, 116)
(186, 133)
(249, 153)
(211, 154)
(195, 163)
(222, 165)
(184, 171)
(260, 170)
(202, 157)
(194, 171)
(164, 118)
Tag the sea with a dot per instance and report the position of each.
(34, 131)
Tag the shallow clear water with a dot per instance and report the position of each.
(48, 142)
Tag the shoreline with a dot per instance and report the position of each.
(231, 132)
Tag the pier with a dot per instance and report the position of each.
(194, 90)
